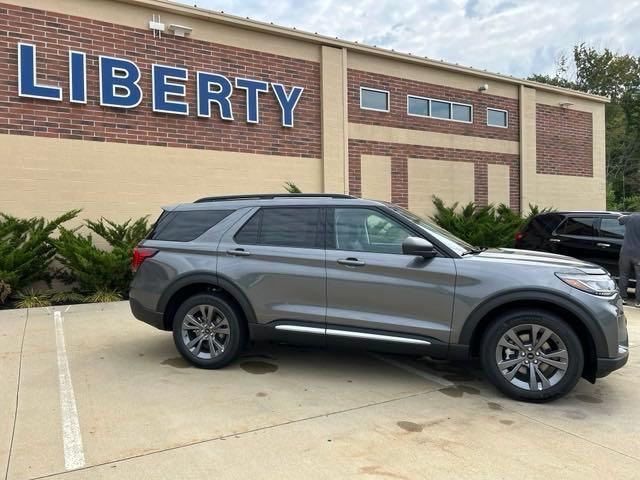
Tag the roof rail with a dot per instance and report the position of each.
(269, 196)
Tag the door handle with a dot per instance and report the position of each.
(239, 252)
(603, 245)
(351, 262)
(554, 240)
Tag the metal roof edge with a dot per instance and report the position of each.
(300, 35)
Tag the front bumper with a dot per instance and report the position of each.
(607, 365)
(151, 317)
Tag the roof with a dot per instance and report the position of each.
(250, 24)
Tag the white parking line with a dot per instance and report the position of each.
(71, 436)
(408, 368)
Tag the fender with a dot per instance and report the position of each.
(211, 279)
(560, 300)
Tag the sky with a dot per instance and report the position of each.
(512, 37)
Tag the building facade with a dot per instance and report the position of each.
(121, 106)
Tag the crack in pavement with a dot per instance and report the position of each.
(15, 415)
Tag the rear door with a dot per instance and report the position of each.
(277, 260)
(609, 243)
(377, 294)
(577, 237)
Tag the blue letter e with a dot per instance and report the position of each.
(119, 83)
(27, 86)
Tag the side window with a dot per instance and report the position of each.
(366, 230)
(187, 225)
(283, 227)
(611, 228)
(582, 226)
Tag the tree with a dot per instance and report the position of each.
(616, 76)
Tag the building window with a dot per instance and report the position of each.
(427, 107)
(497, 118)
(372, 99)
(418, 106)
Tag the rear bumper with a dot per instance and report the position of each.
(607, 365)
(151, 317)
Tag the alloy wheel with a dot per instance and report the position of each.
(532, 357)
(205, 331)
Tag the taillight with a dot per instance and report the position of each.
(519, 236)
(140, 254)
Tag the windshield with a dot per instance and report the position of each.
(443, 236)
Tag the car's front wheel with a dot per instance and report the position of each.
(207, 330)
(532, 355)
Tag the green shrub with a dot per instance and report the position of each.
(483, 226)
(291, 187)
(29, 298)
(94, 270)
(26, 251)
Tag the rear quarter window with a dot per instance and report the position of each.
(184, 226)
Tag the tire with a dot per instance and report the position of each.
(208, 322)
(546, 359)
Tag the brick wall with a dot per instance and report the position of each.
(564, 141)
(399, 154)
(397, 116)
(54, 34)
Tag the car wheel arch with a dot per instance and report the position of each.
(192, 284)
(591, 335)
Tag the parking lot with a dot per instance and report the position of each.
(119, 402)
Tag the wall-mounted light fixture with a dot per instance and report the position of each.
(180, 30)
(566, 105)
(483, 88)
(156, 25)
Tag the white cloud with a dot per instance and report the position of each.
(515, 37)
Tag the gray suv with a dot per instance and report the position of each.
(334, 270)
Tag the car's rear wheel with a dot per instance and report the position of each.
(532, 355)
(207, 331)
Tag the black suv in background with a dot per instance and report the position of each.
(595, 237)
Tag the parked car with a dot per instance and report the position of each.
(334, 270)
(594, 237)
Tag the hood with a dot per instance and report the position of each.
(537, 259)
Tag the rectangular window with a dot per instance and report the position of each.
(497, 118)
(611, 228)
(462, 113)
(184, 226)
(418, 106)
(429, 107)
(283, 227)
(372, 99)
(580, 226)
(440, 109)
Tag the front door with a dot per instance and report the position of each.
(378, 294)
(609, 243)
(277, 260)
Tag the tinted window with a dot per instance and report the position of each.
(374, 99)
(283, 227)
(545, 223)
(188, 225)
(440, 109)
(611, 228)
(578, 226)
(365, 230)
(418, 106)
(496, 118)
(462, 113)
(249, 232)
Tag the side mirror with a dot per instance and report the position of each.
(419, 247)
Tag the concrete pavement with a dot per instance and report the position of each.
(287, 412)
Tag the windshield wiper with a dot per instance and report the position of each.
(474, 251)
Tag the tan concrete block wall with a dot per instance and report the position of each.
(498, 184)
(560, 191)
(334, 135)
(376, 177)
(451, 181)
(119, 181)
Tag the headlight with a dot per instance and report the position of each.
(600, 285)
